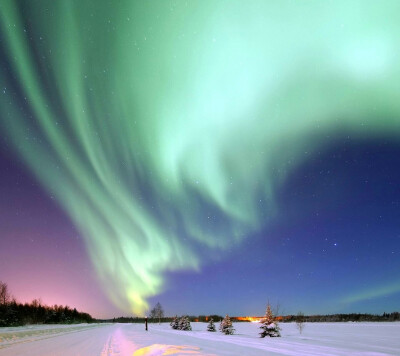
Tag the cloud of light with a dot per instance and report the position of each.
(161, 126)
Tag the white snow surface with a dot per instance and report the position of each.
(318, 339)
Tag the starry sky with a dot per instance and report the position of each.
(209, 155)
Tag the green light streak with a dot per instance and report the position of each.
(375, 292)
(159, 125)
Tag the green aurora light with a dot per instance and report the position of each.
(158, 125)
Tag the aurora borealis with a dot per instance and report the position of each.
(167, 130)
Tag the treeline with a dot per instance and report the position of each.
(192, 318)
(395, 316)
(13, 313)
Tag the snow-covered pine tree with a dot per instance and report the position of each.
(184, 324)
(181, 322)
(226, 326)
(211, 325)
(175, 323)
(269, 326)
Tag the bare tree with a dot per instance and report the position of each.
(300, 321)
(36, 303)
(276, 310)
(157, 312)
(5, 297)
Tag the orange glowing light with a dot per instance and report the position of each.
(253, 319)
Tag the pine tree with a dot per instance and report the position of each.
(184, 324)
(226, 326)
(211, 325)
(181, 322)
(269, 326)
(175, 323)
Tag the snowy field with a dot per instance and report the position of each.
(318, 339)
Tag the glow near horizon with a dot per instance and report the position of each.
(159, 126)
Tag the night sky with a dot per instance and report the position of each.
(208, 155)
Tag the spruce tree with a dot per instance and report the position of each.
(226, 326)
(211, 325)
(184, 324)
(175, 323)
(269, 326)
(181, 322)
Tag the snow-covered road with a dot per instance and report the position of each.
(319, 339)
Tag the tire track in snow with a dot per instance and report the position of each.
(117, 344)
(41, 335)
